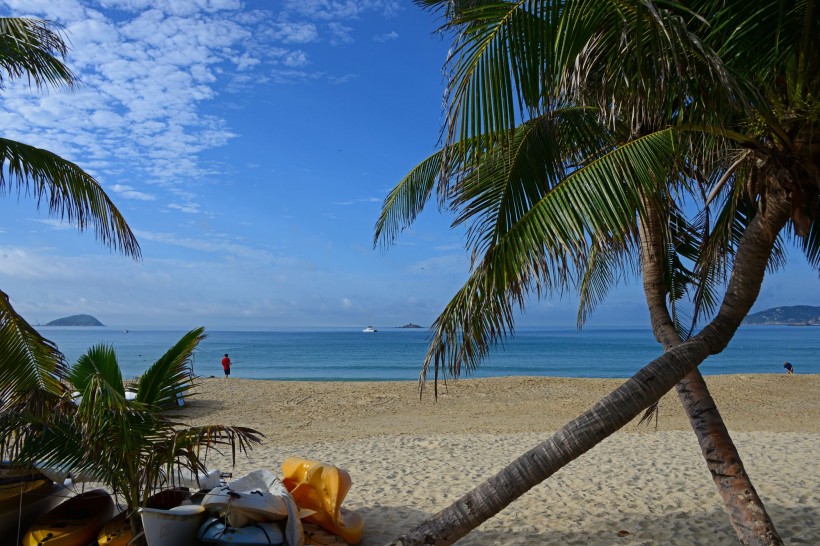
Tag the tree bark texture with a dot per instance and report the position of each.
(623, 404)
(745, 509)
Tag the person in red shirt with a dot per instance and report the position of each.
(226, 365)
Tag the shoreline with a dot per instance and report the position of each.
(410, 457)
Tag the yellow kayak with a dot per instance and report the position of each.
(16, 480)
(322, 488)
(17, 513)
(76, 522)
(116, 532)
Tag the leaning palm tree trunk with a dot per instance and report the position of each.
(623, 404)
(746, 511)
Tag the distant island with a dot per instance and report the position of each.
(76, 320)
(796, 315)
(410, 325)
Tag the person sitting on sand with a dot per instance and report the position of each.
(226, 365)
(789, 367)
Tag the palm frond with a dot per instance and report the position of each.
(33, 49)
(498, 187)
(169, 377)
(69, 193)
(497, 75)
(607, 265)
(547, 249)
(404, 203)
(811, 243)
(29, 361)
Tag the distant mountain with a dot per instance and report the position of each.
(410, 325)
(796, 315)
(76, 320)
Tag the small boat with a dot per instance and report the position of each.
(370, 329)
(19, 512)
(76, 522)
(258, 497)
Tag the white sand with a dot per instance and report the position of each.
(410, 458)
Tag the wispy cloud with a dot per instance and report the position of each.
(55, 224)
(359, 200)
(345, 78)
(215, 244)
(128, 192)
(392, 35)
(149, 68)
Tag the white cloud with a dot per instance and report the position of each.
(56, 224)
(295, 59)
(217, 244)
(128, 192)
(189, 208)
(334, 10)
(359, 200)
(290, 32)
(347, 303)
(392, 35)
(339, 80)
(340, 34)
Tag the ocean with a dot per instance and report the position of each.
(396, 354)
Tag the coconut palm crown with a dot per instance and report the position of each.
(704, 105)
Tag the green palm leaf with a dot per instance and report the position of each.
(32, 48)
(169, 377)
(548, 248)
(608, 264)
(29, 361)
(404, 203)
(69, 193)
(131, 446)
(505, 182)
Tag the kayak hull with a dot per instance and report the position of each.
(18, 513)
(75, 522)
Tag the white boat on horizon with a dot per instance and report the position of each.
(370, 329)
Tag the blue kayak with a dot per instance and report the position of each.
(214, 531)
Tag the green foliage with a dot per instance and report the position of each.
(28, 361)
(30, 365)
(33, 49)
(134, 447)
(701, 107)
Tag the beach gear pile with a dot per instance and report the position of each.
(262, 509)
(303, 508)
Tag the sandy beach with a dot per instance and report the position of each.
(409, 457)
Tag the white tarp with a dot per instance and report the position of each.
(254, 498)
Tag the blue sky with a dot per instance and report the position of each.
(249, 146)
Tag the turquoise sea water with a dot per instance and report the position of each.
(397, 354)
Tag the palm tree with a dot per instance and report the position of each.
(34, 50)
(579, 225)
(134, 447)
